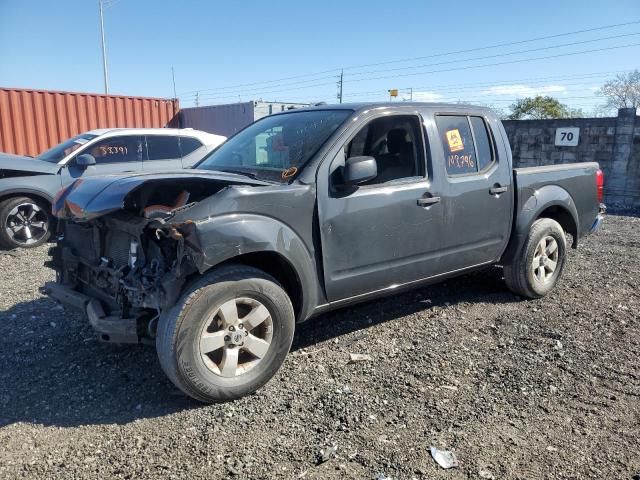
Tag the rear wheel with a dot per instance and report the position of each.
(227, 336)
(541, 261)
(24, 222)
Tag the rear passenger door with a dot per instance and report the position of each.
(163, 153)
(478, 199)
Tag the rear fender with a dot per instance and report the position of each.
(535, 202)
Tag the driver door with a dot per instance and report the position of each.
(381, 234)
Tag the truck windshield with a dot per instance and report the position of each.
(57, 153)
(275, 148)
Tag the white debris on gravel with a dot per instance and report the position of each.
(444, 458)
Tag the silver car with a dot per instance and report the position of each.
(29, 184)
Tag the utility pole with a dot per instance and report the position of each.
(197, 101)
(340, 86)
(173, 77)
(411, 94)
(104, 50)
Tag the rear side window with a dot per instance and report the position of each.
(162, 147)
(457, 143)
(117, 150)
(484, 151)
(189, 145)
(465, 153)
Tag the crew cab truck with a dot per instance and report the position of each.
(303, 212)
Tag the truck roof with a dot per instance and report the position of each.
(361, 106)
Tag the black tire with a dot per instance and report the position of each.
(19, 239)
(180, 330)
(519, 273)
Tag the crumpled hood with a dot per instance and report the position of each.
(92, 197)
(27, 164)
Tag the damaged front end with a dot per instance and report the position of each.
(121, 255)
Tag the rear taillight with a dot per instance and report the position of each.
(600, 185)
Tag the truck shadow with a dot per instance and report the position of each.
(55, 372)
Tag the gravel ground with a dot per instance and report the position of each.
(517, 389)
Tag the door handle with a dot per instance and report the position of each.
(426, 201)
(497, 190)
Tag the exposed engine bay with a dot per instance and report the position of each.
(136, 259)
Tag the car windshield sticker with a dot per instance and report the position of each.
(454, 140)
(289, 172)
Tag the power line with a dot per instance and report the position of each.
(530, 80)
(501, 63)
(499, 54)
(468, 67)
(475, 49)
(227, 94)
(498, 45)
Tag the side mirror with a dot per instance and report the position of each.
(85, 160)
(358, 170)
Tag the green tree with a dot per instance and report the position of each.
(540, 107)
(623, 91)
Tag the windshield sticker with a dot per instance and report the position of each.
(454, 140)
(81, 141)
(289, 172)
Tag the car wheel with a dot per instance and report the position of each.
(24, 222)
(541, 261)
(228, 334)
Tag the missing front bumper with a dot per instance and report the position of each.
(110, 328)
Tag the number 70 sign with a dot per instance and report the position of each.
(567, 137)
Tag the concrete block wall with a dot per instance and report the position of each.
(612, 142)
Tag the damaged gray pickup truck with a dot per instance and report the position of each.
(303, 212)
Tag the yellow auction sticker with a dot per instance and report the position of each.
(454, 140)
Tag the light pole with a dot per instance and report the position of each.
(104, 50)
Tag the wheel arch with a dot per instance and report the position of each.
(266, 244)
(276, 265)
(35, 194)
(550, 201)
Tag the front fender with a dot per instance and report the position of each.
(222, 238)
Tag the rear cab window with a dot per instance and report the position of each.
(466, 143)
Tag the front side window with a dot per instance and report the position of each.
(277, 147)
(117, 149)
(396, 144)
(59, 152)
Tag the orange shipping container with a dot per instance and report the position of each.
(32, 121)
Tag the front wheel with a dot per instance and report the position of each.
(227, 336)
(25, 223)
(539, 266)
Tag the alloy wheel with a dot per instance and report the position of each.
(545, 259)
(236, 336)
(27, 223)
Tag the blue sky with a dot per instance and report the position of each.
(217, 48)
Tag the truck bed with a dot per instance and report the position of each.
(573, 185)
